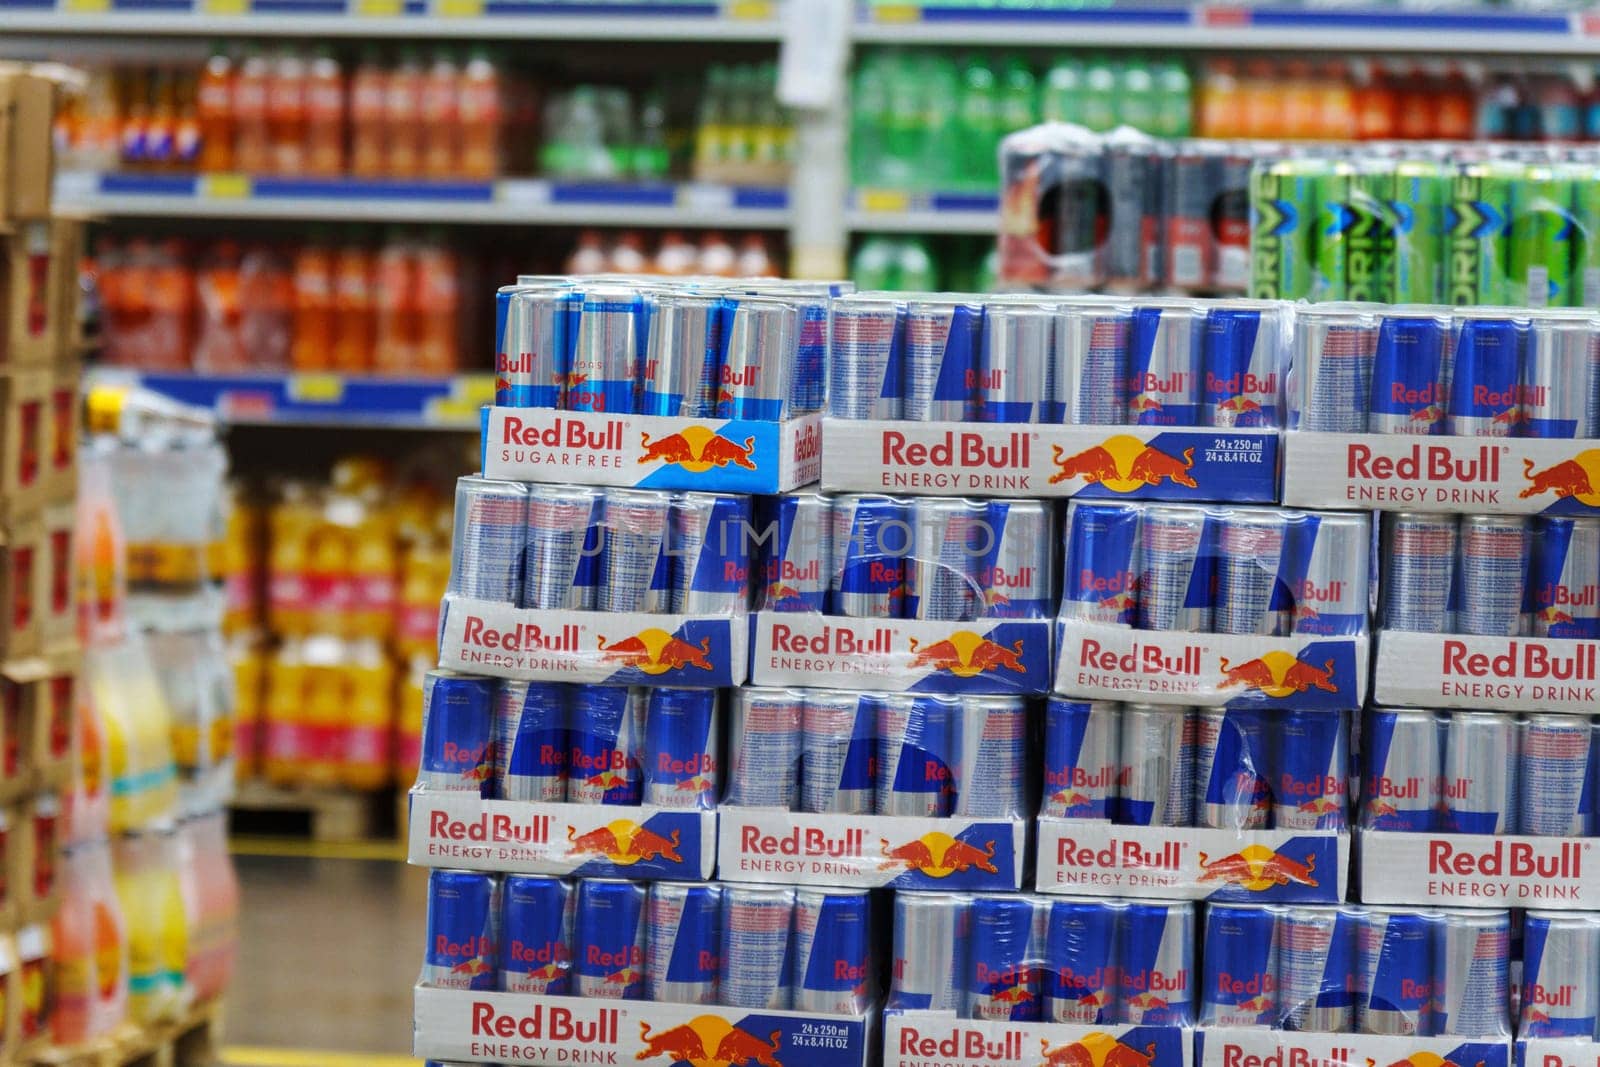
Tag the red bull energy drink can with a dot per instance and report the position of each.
(1166, 370)
(681, 757)
(1242, 351)
(943, 340)
(457, 734)
(1395, 971)
(1239, 986)
(1176, 588)
(536, 930)
(1102, 563)
(832, 966)
(607, 727)
(764, 747)
(1560, 388)
(839, 764)
(561, 569)
(608, 939)
(932, 940)
(1560, 997)
(635, 566)
(797, 563)
(917, 764)
(1091, 376)
(1420, 551)
(1481, 769)
(1252, 564)
(991, 740)
(1565, 596)
(682, 346)
(1155, 958)
(1410, 371)
(1080, 983)
(1492, 595)
(1082, 758)
(1330, 586)
(1230, 773)
(756, 943)
(1558, 795)
(1400, 782)
(682, 942)
(1332, 355)
(489, 540)
(531, 741)
(867, 359)
(871, 542)
(607, 350)
(1189, 185)
(533, 327)
(463, 931)
(1486, 374)
(1310, 790)
(760, 343)
(946, 538)
(1317, 969)
(1472, 961)
(1016, 367)
(711, 536)
(1158, 766)
(1013, 565)
(1005, 982)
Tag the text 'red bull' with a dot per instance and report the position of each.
(1523, 660)
(1290, 1056)
(1435, 463)
(1167, 856)
(564, 433)
(491, 829)
(1520, 859)
(803, 841)
(958, 1043)
(523, 637)
(964, 451)
(835, 640)
(1146, 659)
(547, 1022)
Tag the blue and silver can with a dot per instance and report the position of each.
(683, 943)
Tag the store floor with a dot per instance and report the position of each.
(329, 949)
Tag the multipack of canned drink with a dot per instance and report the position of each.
(1468, 806)
(1186, 604)
(930, 594)
(1203, 803)
(1152, 398)
(1391, 406)
(523, 968)
(597, 585)
(690, 383)
(993, 978)
(874, 789)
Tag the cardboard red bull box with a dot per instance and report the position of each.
(938, 1039)
(515, 1028)
(1259, 1047)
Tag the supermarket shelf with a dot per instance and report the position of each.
(1319, 29)
(597, 20)
(891, 211)
(510, 201)
(323, 399)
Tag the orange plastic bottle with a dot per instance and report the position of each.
(1263, 107)
(186, 134)
(325, 114)
(368, 104)
(1221, 106)
(627, 255)
(402, 116)
(161, 126)
(172, 304)
(437, 277)
(283, 709)
(590, 255)
(91, 950)
(1299, 102)
(1456, 116)
(1338, 107)
(219, 345)
(395, 333)
(440, 110)
(1415, 104)
(286, 114)
(135, 118)
(717, 257)
(481, 111)
(754, 260)
(675, 255)
(251, 143)
(214, 107)
(1375, 104)
(369, 722)
(353, 312)
(312, 348)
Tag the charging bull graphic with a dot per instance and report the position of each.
(1123, 464)
(938, 855)
(966, 655)
(656, 652)
(623, 842)
(1574, 478)
(1096, 1050)
(709, 1041)
(697, 449)
(1277, 674)
(1257, 868)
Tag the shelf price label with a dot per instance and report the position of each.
(377, 9)
(223, 7)
(474, 390)
(85, 7)
(224, 187)
(458, 9)
(522, 192)
(316, 388)
(897, 12)
(883, 201)
(704, 196)
(750, 10)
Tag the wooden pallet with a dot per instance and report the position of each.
(193, 1041)
(319, 814)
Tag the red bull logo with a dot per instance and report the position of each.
(1523, 660)
(1123, 464)
(656, 652)
(709, 1041)
(624, 843)
(963, 451)
(966, 655)
(1522, 859)
(1277, 674)
(1435, 464)
(564, 433)
(937, 855)
(1095, 1050)
(697, 449)
(1258, 868)
(811, 842)
(544, 1022)
(489, 829)
(1571, 478)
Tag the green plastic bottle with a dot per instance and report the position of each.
(1177, 98)
(873, 267)
(917, 270)
(1136, 101)
(979, 125)
(869, 112)
(1061, 98)
(1100, 94)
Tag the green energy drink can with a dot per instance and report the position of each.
(1283, 214)
(1543, 238)
(1478, 270)
(1420, 195)
(1331, 242)
(1370, 239)
(1586, 213)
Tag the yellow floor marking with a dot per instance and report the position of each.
(332, 850)
(297, 1057)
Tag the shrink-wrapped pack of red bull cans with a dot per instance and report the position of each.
(910, 790)
(1236, 606)
(664, 383)
(1150, 398)
(1481, 410)
(598, 585)
(923, 594)
(993, 978)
